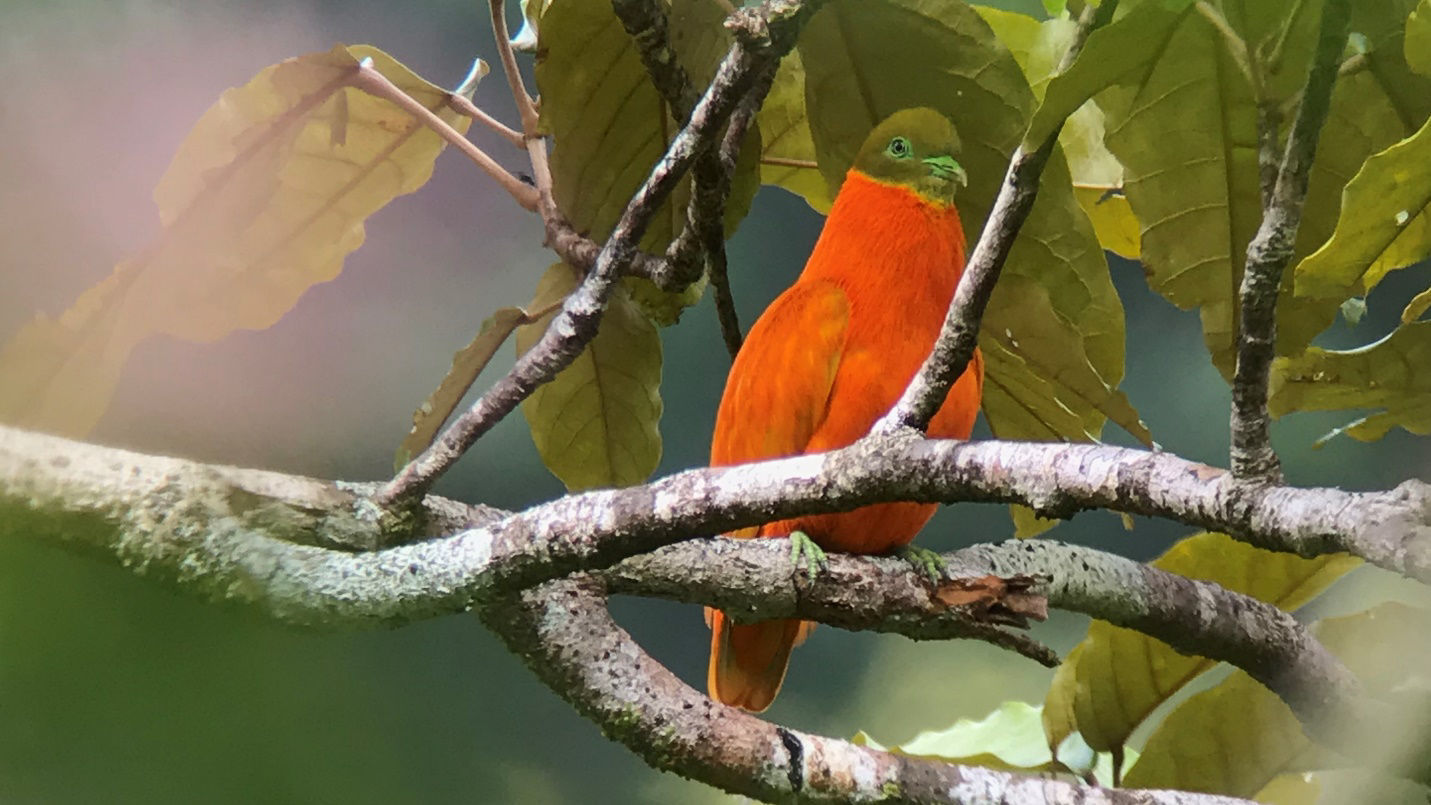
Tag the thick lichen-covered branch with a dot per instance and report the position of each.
(162, 515)
(752, 581)
(565, 635)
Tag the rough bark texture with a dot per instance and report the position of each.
(563, 632)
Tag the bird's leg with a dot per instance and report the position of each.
(804, 551)
(925, 561)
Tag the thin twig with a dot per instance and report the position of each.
(464, 105)
(960, 334)
(763, 35)
(787, 162)
(526, 107)
(373, 82)
(1269, 252)
(1236, 46)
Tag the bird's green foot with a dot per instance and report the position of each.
(924, 561)
(804, 552)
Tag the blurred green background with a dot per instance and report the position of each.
(113, 690)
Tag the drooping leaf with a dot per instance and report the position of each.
(1385, 223)
(265, 198)
(609, 125)
(785, 132)
(1049, 347)
(1184, 127)
(1237, 737)
(1116, 677)
(1389, 377)
(866, 59)
(469, 362)
(596, 423)
(1234, 738)
(1009, 739)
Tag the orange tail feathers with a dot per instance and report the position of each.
(748, 661)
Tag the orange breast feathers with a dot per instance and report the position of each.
(828, 358)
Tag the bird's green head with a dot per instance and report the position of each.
(917, 148)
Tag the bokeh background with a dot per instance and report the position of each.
(114, 690)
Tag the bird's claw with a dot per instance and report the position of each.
(805, 553)
(925, 561)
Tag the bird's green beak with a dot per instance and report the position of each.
(945, 167)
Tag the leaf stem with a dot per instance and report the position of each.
(375, 83)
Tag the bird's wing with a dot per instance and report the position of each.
(779, 388)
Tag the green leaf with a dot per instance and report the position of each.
(1039, 341)
(1234, 739)
(1009, 739)
(865, 59)
(786, 134)
(609, 126)
(1388, 376)
(1237, 737)
(1117, 677)
(1128, 44)
(1184, 127)
(1385, 224)
(596, 423)
(469, 362)
(1418, 38)
(264, 198)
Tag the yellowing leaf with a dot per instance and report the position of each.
(788, 159)
(596, 423)
(609, 126)
(1234, 738)
(1009, 739)
(1112, 219)
(1385, 223)
(1116, 677)
(1237, 737)
(264, 198)
(466, 365)
(865, 59)
(1389, 376)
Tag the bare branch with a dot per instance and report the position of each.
(227, 533)
(464, 105)
(702, 239)
(565, 635)
(1269, 252)
(960, 334)
(764, 35)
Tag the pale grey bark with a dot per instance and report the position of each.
(563, 632)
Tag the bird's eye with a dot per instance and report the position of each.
(898, 148)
